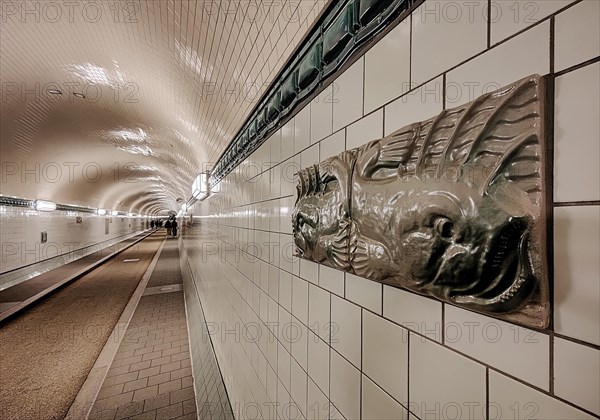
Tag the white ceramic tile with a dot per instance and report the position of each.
(274, 282)
(576, 272)
(318, 404)
(577, 34)
(348, 95)
(346, 329)
(302, 129)
(285, 290)
(377, 405)
(387, 67)
(310, 156)
(287, 140)
(364, 130)
(496, 342)
(286, 246)
(345, 387)
(334, 413)
(444, 383)
(445, 34)
(415, 312)
(321, 113)
(300, 343)
(331, 279)
(285, 328)
(509, 17)
(284, 366)
(283, 402)
(576, 135)
(333, 145)
(299, 389)
(300, 299)
(418, 105)
(287, 171)
(275, 145)
(577, 374)
(366, 293)
(385, 355)
(318, 361)
(510, 400)
(309, 271)
(528, 53)
(319, 311)
(271, 383)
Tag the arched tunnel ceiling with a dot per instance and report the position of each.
(167, 84)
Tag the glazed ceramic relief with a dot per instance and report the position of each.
(452, 207)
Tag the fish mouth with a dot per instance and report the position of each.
(506, 279)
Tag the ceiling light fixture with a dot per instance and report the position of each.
(79, 95)
(42, 205)
(100, 212)
(200, 187)
(114, 213)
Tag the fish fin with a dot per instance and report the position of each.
(391, 152)
(501, 138)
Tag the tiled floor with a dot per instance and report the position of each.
(151, 375)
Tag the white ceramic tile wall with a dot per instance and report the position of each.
(576, 272)
(387, 68)
(496, 343)
(20, 230)
(576, 134)
(348, 96)
(577, 374)
(509, 16)
(511, 400)
(374, 350)
(445, 34)
(444, 384)
(576, 46)
(377, 405)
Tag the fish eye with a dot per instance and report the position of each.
(444, 227)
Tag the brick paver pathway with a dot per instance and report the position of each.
(151, 375)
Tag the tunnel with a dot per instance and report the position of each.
(300, 209)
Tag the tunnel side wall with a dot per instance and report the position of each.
(295, 339)
(21, 230)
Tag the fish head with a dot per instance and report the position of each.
(457, 245)
(319, 213)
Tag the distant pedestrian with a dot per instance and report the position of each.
(151, 224)
(174, 227)
(168, 226)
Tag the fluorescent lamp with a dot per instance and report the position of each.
(100, 212)
(200, 187)
(114, 213)
(42, 205)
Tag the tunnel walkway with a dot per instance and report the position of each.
(17, 297)
(151, 375)
(48, 350)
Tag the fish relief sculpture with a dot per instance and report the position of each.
(453, 207)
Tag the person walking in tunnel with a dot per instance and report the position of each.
(174, 227)
(168, 226)
(151, 224)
